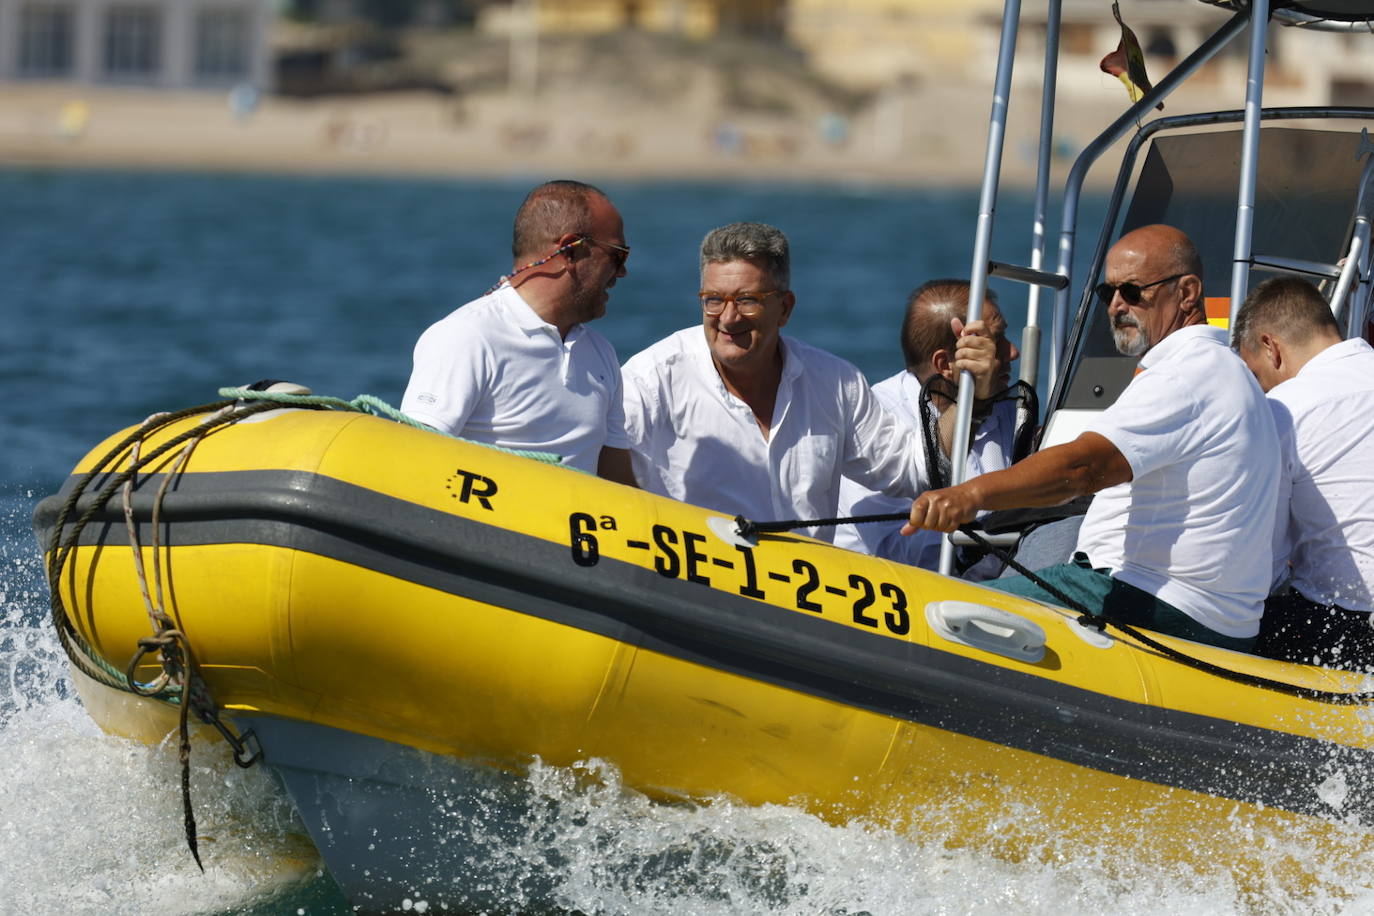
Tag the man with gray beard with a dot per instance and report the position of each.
(1185, 466)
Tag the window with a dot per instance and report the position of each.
(1160, 43)
(45, 39)
(222, 43)
(133, 41)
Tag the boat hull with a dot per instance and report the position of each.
(387, 588)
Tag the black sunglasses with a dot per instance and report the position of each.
(1130, 292)
(619, 253)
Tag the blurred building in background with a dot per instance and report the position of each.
(164, 43)
(895, 89)
(694, 19)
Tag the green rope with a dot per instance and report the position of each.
(366, 403)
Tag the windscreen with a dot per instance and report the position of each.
(1304, 202)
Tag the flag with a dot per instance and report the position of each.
(1127, 62)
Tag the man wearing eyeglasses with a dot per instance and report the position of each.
(731, 415)
(1185, 466)
(518, 367)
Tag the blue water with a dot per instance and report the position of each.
(125, 294)
(130, 293)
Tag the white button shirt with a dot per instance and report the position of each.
(493, 371)
(989, 450)
(694, 441)
(1194, 526)
(1325, 414)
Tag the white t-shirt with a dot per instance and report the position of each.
(990, 450)
(493, 371)
(693, 440)
(1325, 414)
(1194, 525)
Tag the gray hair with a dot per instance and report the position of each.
(757, 243)
(551, 210)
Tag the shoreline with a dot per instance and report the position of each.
(497, 136)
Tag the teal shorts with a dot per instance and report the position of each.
(1097, 591)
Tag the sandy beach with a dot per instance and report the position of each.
(924, 136)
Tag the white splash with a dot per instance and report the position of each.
(91, 824)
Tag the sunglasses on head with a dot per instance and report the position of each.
(1130, 292)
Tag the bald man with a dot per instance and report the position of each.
(1321, 388)
(1185, 466)
(519, 368)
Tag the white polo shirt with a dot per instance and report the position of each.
(693, 440)
(1327, 530)
(493, 371)
(1194, 525)
(989, 450)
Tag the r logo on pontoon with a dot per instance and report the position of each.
(473, 486)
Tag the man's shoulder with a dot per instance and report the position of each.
(1190, 344)
(663, 354)
(895, 385)
(817, 361)
(473, 317)
(1199, 362)
(1346, 375)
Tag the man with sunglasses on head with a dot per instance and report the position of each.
(1185, 466)
(735, 417)
(518, 367)
(936, 345)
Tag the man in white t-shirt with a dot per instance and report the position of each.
(934, 345)
(518, 368)
(1322, 391)
(1185, 467)
(732, 416)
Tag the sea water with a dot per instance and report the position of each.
(129, 293)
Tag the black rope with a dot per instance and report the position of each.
(1091, 618)
(1088, 618)
(746, 528)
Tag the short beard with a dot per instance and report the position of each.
(1130, 346)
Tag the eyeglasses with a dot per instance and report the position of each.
(750, 305)
(1130, 292)
(621, 253)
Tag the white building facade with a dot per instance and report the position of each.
(173, 44)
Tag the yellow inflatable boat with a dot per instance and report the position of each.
(404, 621)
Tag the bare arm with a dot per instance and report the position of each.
(614, 464)
(1048, 478)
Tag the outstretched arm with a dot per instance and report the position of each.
(1047, 478)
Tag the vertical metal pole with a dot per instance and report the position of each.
(1359, 241)
(982, 244)
(1030, 337)
(1249, 156)
(1073, 187)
